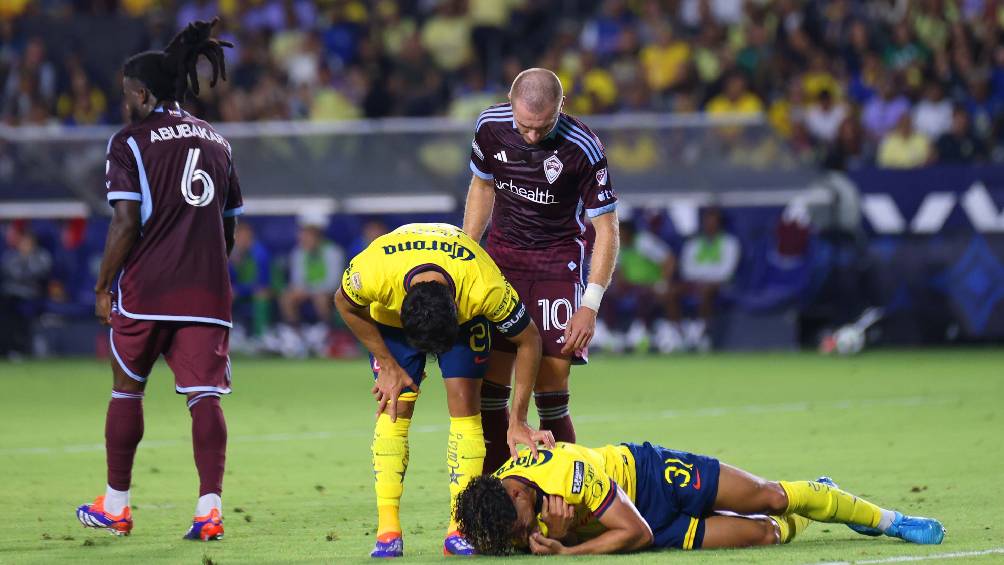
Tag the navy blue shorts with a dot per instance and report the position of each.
(467, 359)
(676, 491)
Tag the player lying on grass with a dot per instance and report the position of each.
(573, 500)
(429, 288)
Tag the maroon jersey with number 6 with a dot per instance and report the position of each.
(542, 194)
(182, 173)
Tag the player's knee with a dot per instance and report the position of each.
(768, 534)
(775, 500)
(125, 383)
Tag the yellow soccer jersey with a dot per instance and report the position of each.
(586, 478)
(379, 277)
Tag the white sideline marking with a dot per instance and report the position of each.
(907, 558)
(710, 412)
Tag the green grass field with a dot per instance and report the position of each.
(918, 431)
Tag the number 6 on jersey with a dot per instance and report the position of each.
(191, 175)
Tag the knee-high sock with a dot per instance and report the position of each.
(789, 526)
(123, 432)
(823, 503)
(465, 455)
(390, 463)
(495, 421)
(209, 442)
(553, 410)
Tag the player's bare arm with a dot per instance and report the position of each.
(392, 379)
(626, 531)
(581, 327)
(478, 209)
(122, 234)
(527, 364)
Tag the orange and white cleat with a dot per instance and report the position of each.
(94, 516)
(206, 528)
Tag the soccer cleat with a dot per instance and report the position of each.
(206, 528)
(95, 516)
(390, 544)
(455, 544)
(863, 530)
(925, 531)
(916, 529)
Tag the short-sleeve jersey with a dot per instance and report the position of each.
(380, 276)
(586, 478)
(181, 172)
(543, 192)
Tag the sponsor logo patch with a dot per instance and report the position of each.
(357, 281)
(601, 176)
(578, 475)
(477, 150)
(552, 168)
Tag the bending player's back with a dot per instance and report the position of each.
(381, 274)
(181, 172)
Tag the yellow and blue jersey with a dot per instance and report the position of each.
(379, 277)
(673, 490)
(587, 478)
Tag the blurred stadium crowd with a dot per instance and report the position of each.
(843, 84)
(847, 83)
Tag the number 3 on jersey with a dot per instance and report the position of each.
(192, 174)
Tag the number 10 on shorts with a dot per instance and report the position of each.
(555, 313)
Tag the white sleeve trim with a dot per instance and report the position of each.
(123, 195)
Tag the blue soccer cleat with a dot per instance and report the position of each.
(206, 528)
(455, 544)
(916, 529)
(390, 544)
(94, 516)
(863, 530)
(925, 531)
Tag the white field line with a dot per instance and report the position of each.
(909, 558)
(707, 412)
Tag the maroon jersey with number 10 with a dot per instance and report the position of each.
(542, 194)
(182, 174)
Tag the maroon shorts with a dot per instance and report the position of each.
(197, 353)
(551, 304)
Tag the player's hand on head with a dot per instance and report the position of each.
(557, 515)
(520, 433)
(103, 307)
(391, 381)
(579, 331)
(541, 545)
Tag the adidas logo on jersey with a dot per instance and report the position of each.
(501, 156)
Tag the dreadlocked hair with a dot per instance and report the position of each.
(172, 74)
(486, 515)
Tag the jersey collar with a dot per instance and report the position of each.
(425, 267)
(170, 107)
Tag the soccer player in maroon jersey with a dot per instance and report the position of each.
(171, 181)
(537, 174)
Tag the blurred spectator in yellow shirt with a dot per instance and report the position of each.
(665, 61)
(447, 36)
(904, 147)
(83, 104)
(735, 98)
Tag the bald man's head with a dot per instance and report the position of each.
(536, 96)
